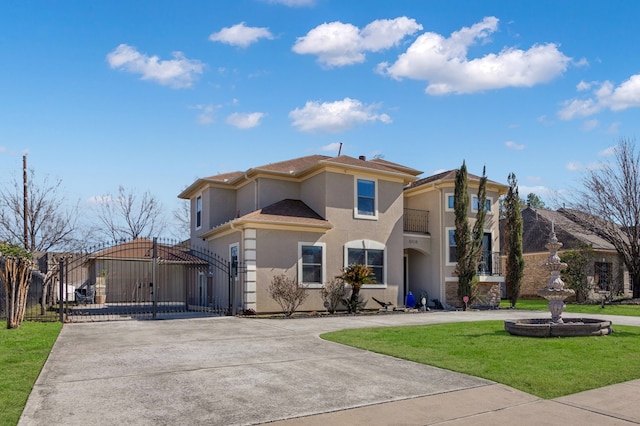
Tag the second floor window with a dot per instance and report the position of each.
(487, 204)
(198, 211)
(366, 197)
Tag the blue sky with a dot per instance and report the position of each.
(154, 94)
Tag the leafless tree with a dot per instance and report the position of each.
(128, 216)
(52, 222)
(182, 219)
(609, 205)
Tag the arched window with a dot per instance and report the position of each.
(370, 253)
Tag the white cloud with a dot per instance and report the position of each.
(575, 166)
(245, 120)
(338, 44)
(607, 152)
(335, 146)
(335, 116)
(294, 3)
(534, 179)
(604, 96)
(443, 62)
(241, 35)
(589, 125)
(582, 86)
(207, 113)
(614, 128)
(178, 73)
(513, 145)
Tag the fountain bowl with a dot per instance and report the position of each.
(569, 327)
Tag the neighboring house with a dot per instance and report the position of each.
(606, 271)
(310, 217)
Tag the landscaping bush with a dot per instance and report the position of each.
(333, 293)
(287, 293)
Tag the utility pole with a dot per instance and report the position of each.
(26, 204)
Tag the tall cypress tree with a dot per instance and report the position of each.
(468, 241)
(513, 241)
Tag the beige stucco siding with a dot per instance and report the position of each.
(273, 190)
(313, 192)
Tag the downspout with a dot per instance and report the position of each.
(443, 254)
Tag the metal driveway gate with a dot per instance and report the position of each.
(147, 279)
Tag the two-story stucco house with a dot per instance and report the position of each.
(310, 217)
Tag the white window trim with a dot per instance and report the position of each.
(446, 233)
(373, 245)
(356, 214)
(446, 202)
(473, 202)
(324, 264)
(199, 196)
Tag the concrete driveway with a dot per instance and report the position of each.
(232, 371)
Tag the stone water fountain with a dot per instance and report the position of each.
(556, 294)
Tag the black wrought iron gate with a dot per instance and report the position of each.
(147, 279)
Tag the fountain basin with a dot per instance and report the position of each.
(570, 327)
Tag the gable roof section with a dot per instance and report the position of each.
(537, 224)
(299, 167)
(450, 176)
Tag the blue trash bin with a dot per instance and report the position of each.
(410, 301)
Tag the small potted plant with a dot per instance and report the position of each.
(101, 287)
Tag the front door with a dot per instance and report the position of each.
(485, 267)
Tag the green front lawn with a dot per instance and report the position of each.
(23, 352)
(546, 367)
(578, 308)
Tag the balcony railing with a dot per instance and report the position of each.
(490, 263)
(416, 221)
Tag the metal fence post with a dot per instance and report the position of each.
(60, 281)
(154, 275)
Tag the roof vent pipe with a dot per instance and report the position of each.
(363, 158)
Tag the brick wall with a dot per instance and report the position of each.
(488, 295)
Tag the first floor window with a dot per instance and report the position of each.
(602, 275)
(453, 249)
(368, 256)
(311, 261)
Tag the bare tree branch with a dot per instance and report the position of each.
(609, 205)
(52, 224)
(128, 216)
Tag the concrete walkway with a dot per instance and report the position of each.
(235, 371)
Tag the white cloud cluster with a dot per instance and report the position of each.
(443, 62)
(603, 96)
(207, 113)
(240, 35)
(245, 120)
(338, 44)
(178, 73)
(513, 145)
(335, 116)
